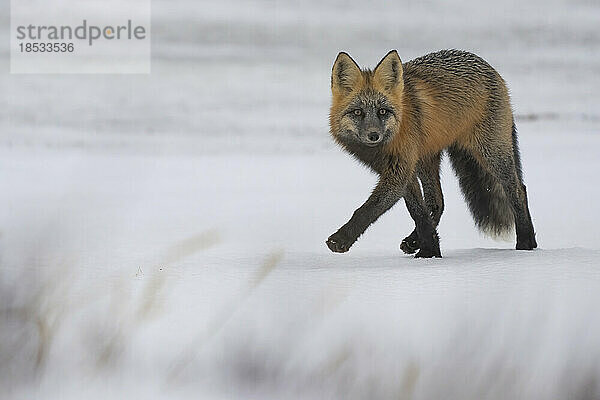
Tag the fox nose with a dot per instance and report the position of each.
(374, 136)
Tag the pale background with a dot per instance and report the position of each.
(162, 235)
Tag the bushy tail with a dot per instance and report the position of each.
(484, 195)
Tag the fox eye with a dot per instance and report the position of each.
(382, 111)
(357, 112)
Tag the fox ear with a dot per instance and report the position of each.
(345, 74)
(388, 73)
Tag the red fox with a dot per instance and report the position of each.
(398, 120)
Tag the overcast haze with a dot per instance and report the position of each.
(162, 235)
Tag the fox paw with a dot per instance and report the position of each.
(528, 244)
(410, 244)
(429, 253)
(339, 243)
(431, 248)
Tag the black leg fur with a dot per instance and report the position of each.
(429, 173)
(428, 238)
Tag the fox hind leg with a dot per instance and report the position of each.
(517, 159)
(529, 241)
(428, 171)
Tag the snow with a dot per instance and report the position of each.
(162, 236)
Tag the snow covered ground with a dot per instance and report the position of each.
(162, 236)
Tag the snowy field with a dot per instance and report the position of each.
(162, 236)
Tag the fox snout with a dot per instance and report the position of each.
(371, 129)
(366, 132)
(374, 137)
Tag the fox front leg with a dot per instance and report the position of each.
(429, 242)
(388, 191)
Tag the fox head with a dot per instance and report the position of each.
(366, 106)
